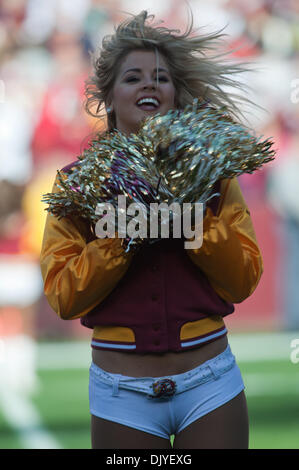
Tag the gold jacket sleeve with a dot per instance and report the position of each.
(229, 255)
(78, 275)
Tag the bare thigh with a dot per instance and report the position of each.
(227, 427)
(107, 434)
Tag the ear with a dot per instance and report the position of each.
(109, 109)
(109, 103)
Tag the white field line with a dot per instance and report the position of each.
(270, 384)
(246, 348)
(23, 417)
(263, 346)
(64, 355)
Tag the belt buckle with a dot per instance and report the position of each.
(163, 388)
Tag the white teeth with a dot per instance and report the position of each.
(148, 101)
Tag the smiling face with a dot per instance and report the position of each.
(137, 94)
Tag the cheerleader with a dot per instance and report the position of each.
(161, 361)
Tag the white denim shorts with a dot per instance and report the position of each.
(164, 405)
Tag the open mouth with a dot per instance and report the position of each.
(148, 104)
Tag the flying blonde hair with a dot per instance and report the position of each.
(195, 71)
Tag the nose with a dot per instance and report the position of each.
(149, 83)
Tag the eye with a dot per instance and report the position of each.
(131, 79)
(163, 79)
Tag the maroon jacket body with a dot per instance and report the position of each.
(162, 290)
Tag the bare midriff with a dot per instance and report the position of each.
(157, 364)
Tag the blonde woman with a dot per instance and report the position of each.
(161, 362)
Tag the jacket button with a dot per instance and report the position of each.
(154, 297)
(155, 268)
(156, 327)
(156, 342)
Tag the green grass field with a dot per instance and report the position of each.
(61, 416)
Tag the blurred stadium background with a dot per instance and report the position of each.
(44, 60)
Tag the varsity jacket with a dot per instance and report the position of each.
(162, 298)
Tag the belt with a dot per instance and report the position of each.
(165, 387)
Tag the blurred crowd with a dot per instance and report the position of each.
(45, 51)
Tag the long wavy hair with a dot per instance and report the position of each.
(197, 70)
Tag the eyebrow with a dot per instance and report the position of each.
(160, 69)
